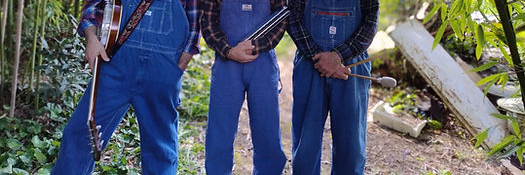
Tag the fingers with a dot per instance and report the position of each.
(345, 70)
(340, 75)
(182, 67)
(104, 55)
(316, 57)
(324, 69)
(90, 63)
(249, 58)
(246, 45)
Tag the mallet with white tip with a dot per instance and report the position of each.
(384, 81)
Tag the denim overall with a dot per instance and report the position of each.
(330, 22)
(144, 73)
(231, 81)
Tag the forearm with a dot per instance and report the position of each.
(91, 33)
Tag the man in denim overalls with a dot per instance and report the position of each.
(145, 73)
(242, 68)
(330, 34)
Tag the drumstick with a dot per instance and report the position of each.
(361, 62)
(384, 81)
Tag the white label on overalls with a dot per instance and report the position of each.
(333, 30)
(148, 13)
(246, 7)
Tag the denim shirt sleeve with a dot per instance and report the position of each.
(91, 16)
(362, 38)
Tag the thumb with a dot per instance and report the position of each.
(104, 55)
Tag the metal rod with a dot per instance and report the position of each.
(365, 77)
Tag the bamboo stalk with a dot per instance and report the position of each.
(42, 30)
(17, 56)
(33, 49)
(9, 29)
(3, 60)
(76, 8)
(506, 22)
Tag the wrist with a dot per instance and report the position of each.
(227, 52)
(337, 57)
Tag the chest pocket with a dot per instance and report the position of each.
(158, 19)
(238, 18)
(330, 27)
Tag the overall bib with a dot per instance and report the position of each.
(144, 73)
(330, 22)
(231, 81)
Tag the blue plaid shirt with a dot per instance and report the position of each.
(358, 42)
(91, 15)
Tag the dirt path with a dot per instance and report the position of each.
(388, 152)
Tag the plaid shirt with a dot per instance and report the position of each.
(216, 38)
(351, 48)
(91, 15)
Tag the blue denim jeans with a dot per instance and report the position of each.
(330, 22)
(145, 74)
(230, 83)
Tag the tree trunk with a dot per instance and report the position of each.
(3, 61)
(506, 22)
(17, 56)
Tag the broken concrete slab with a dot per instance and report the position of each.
(384, 114)
(449, 80)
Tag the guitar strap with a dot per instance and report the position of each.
(132, 22)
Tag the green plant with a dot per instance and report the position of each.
(493, 28)
(404, 101)
(488, 24)
(196, 85)
(512, 144)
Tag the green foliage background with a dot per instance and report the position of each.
(29, 142)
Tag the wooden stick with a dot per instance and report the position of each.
(361, 62)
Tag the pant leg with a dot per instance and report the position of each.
(348, 110)
(263, 104)
(308, 117)
(155, 100)
(75, 155)
(227, 93)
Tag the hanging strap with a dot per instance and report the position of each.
(132, 22)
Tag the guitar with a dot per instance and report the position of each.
(108, 34)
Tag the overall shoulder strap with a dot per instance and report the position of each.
(131, 24)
